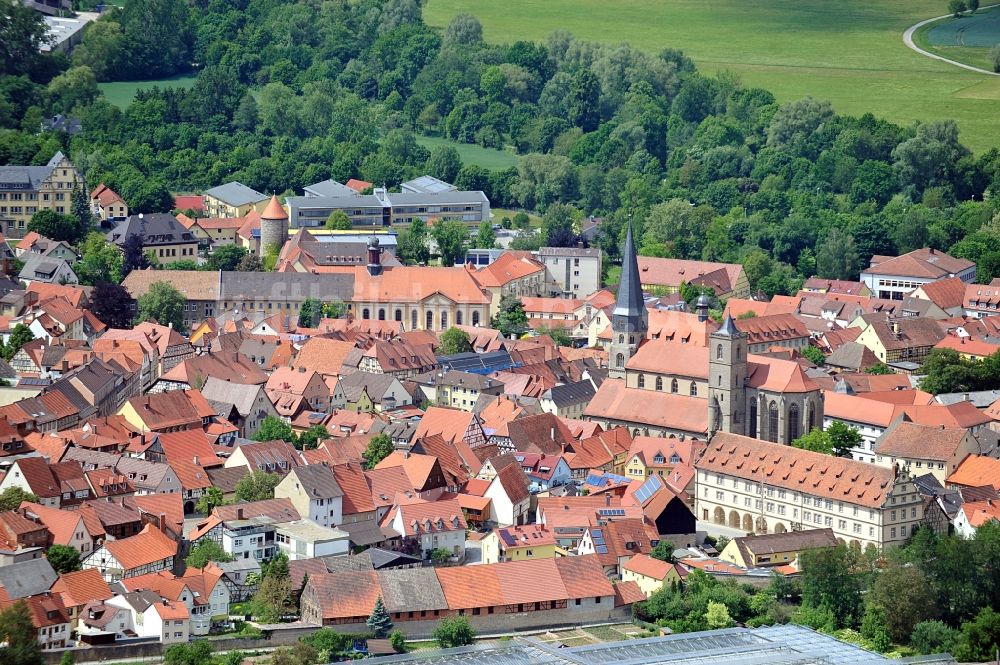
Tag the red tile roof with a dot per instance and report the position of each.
(148, 546)
(82, 586)
(785, 467)
(976, 471)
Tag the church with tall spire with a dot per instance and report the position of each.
(629, 320)
(666, 380)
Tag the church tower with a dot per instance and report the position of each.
(727, 373)
(629, 321)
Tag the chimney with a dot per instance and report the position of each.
(163, 522)
(239, 513)
(607, 500)
(552, 433)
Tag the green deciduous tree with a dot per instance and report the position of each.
(717, 616)
(510, 319)
(338, 221)
(451, 237)
(250, 263)
(454, 632)
(814, 355)
(77, 86)
(558, 224)
(19, 336)
(412, 243)
(379, 622)
(310, 312)
(837, 256)
(100, 261)
(816, 440)
(454, 340)
(22, 32)
(274, 599)
(208, 501)
(206, 550)
(273, 428)
(54, 225)
(377, 450)
(843, 438)
(485, 237)
(311, 437)
(226, 257)
(956, 7)
(664, 551)
(19, 636)
(398, 641)
(444, 163)
(164, 304)
(63, 558)
(905, 597)
(557, 334)
(257, 486)
(12, 498)
(830, 581)
(979, 638)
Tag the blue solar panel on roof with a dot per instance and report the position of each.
(648, 489)
(601, 549)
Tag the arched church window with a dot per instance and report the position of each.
(793, 423)
(642, 380)
(620, 360)
(673, 385)
(772, 422)
(718, 352)
(694, 389)
(659, 383)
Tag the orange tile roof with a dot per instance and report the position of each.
(451, 424)
(148, 546)
(946, 293)
(82, 586)
(616, 402)
(466, 587)
(979, 513)
(346, 594)
(671, 358)
(63, 524)
(583, 576)
(785, 467)
(777, 375)
(672, 272)
(172, 610)
(968, 346)
(412, 284)
(627, 593)
(510, 267)
(643, 564)
(322, 355)
(358, 185)
(357, 492)
(922, 263)
(976, 471)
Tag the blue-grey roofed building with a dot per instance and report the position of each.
(233, 199)
(426, 184)
(24, 190)
(383, 208)
(328, 188)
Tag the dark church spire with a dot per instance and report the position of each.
(630, 308)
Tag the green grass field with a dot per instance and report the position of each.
(121, 93)
(966, 39)
(850, 52)
(472, 154)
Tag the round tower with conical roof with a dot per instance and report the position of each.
(273, 225)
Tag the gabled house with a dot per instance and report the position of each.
(148, 552)
(55, 485)
(107, 204)
(272, 456)
(509, 492)
(154, 616)
(429, 525)
(77, 589)
(314, 492)
(173, 411)
(249, 402)
(67, 527)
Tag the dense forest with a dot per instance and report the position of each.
(289, 92)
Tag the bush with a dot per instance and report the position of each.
(933, 637)
(454, 632)
(398, 640)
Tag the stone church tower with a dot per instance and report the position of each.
(629, 321)
(727, 373)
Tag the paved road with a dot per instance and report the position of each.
(908, 40)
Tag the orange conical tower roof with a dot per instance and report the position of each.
(274, 210)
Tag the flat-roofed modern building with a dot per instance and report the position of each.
(384, 208)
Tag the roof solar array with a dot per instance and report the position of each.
(611, 512)
(648, 489)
